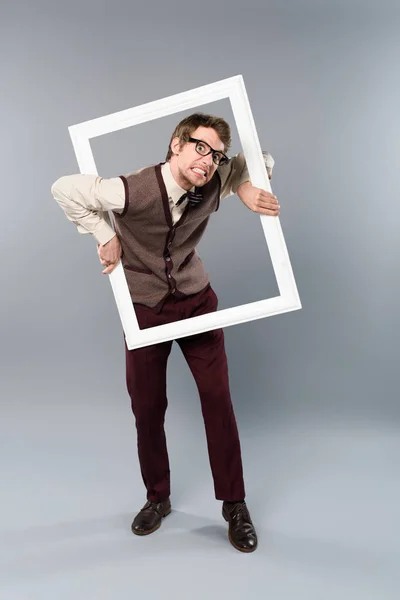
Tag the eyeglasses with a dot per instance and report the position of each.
(204, 149)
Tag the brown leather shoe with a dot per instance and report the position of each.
(242, 534)
(150, 517)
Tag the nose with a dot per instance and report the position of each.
(207, 160)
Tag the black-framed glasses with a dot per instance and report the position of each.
(204, 149)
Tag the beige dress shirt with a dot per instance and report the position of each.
(84, 198)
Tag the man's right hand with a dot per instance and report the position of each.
(109, 254)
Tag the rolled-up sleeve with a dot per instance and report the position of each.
(235, 172)
(84, 198)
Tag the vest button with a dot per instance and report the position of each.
(173, 291)
(168, 258)
(169, 275)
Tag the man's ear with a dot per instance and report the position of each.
(175, 145)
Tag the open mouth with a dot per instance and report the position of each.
(199, 172)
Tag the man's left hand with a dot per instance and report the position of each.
(258, 200)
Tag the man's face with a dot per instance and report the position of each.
(190, 168)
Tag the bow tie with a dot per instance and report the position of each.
(194, 198)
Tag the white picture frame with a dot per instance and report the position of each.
(288, 300)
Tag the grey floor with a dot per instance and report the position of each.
(325, 500)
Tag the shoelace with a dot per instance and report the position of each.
(152, 505)
(240, 509)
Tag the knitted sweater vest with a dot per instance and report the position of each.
(160, 258)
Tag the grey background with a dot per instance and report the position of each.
(315, 391)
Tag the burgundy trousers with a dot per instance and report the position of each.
(146, 370)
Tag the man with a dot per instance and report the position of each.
(161, 213)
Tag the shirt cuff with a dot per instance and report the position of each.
(104, 233)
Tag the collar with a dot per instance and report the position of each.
(174, 190)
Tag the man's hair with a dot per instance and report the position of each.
(185, 128)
